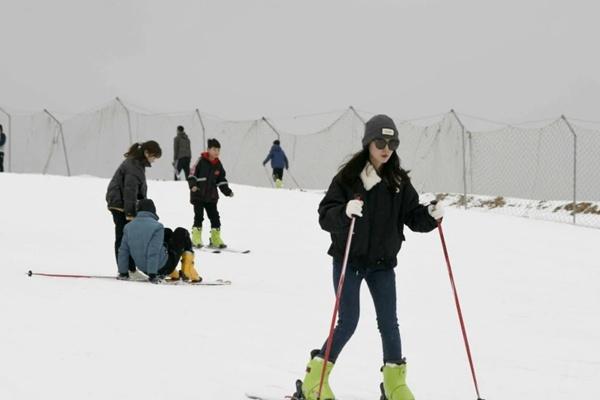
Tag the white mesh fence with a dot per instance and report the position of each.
(503, 170)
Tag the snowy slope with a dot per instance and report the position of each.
(530, 293)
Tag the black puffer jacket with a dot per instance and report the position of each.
(127, 186)
(207, 177)
(379, 233)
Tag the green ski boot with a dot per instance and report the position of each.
(394, 382)
(215, 239)
(310, 385)
(278, 183)
(197, 236)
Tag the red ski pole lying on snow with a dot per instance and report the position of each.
(30, 273)
(458, 309)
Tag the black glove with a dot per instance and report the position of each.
(123, 276)
(156, 279)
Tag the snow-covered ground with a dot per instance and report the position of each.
(530, 292)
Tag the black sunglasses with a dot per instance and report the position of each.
(392, 144)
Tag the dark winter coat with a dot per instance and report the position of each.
(127, 186)
(143, 240)
(207, 177)
(379, 233)
(181, 146)
(277, 157)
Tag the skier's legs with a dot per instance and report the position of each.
(277, 173)
(120, 221)
(198, 214)
(213, 215)
(349, 311)
(184, 164)
(176, 243)
(1, 161)
(382, 285)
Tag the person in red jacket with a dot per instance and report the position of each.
(208, 175)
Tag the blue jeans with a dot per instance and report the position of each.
(382, 285)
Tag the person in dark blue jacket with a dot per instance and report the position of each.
(278, 162)
(155, 249)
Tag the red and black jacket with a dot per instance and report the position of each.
(207, 177)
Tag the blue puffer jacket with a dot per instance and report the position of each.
(277, 157)
(143, 240)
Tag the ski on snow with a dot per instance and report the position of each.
(216, 282)
(217, 250)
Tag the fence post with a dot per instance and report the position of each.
(62, 138)
(266, 121)
(203, 129)
(574, 167)
(128, 120)
(9, 140)
(357, 114)
(464, 151)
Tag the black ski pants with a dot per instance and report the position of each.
(120, 221)
(182, 164)
(211, 211)
(277, 173)
(176, 243)
(1, 161)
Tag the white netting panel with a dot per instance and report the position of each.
(433, 155)
(511, 163)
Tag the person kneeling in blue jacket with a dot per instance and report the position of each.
(155, 249)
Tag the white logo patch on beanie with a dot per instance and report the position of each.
(387, 132)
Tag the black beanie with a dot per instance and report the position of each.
(380, 126)
(146, 205)
(277, 142)
(214, 143)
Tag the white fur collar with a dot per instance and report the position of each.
(369, 176)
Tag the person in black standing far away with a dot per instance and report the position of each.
(182, 153)
(2, 143)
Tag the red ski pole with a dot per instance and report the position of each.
(337, 305)
(30, 273)
(458, 309)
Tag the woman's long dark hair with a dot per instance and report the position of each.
(136, 151)
(391, 173)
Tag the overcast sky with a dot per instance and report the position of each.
(509, 60)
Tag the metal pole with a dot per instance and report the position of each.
(574, 167)
(8, 139)
(203, 129)
(62, 138)
(357, 114)
(272, 127)
(464, 155)
(128, 120)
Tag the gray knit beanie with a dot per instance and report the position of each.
(379, 126)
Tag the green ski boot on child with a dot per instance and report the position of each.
(278, 183)
(215, 239)
(310, 384)
(394, 382)
(197, 236)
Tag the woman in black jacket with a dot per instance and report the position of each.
(128, 185)
(373, 188)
